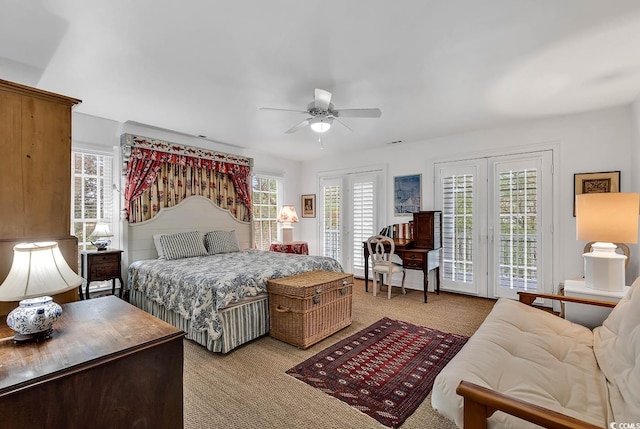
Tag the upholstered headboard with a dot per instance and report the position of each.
(193, 214)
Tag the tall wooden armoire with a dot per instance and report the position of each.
(35, 175)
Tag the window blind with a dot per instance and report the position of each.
(457, 227)
(331, 221)
(518, 243)
(363, 191)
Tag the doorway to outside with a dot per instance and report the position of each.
(497, 229)
(350, 211)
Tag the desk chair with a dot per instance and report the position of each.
(381, 249)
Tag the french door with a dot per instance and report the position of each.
(350, 212)
(496, 224)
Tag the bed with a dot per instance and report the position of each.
(218, 299)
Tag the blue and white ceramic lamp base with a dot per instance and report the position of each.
(33, 319)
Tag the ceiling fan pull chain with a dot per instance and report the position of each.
(320, 141)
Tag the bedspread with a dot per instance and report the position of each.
(196, 288)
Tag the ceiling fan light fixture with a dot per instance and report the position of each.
(320, 124)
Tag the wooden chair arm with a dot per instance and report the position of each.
(480, 403)
(528, 298)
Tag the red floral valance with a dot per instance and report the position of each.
(145, 158)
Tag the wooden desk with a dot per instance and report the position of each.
(412, 259)
(107, 365)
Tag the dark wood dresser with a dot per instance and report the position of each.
(107, 365)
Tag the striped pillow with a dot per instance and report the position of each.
(221, 242)
(183, 245)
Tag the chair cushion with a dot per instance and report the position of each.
(384, 268)
(531, 355)
(617, 348)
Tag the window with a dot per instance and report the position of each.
(266, 197)
(91, 193)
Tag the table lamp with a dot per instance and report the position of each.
(100, 233)
(38, 270)
(606, 218)
(286, 217)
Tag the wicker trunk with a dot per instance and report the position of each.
(308, 307)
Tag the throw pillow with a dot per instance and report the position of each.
(183, 245)
(221, 242)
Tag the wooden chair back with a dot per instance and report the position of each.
(381, 249)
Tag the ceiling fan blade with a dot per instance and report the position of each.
(344, 125)
(322, 99)
(358, 113)
(283, 110)
(297, 127)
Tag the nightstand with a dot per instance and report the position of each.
(98, 265)
(588, 315)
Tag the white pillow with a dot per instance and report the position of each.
(182, 245)
(221, 242)
(156, 242)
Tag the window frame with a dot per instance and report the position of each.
(108, 214)
(261, 244)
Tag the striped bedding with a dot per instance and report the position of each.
(197, 289)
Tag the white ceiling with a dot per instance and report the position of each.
(434, 68)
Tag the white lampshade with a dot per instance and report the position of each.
(320, 124)
(606, 218)
(37, 269)
(102, 229)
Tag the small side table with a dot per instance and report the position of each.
(588, 315)
(98, 265)
(297, 247)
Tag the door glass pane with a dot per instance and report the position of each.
(331, 221)
(363, 217)
(457, 228)
(518, 238)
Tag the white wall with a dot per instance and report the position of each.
(588, 142)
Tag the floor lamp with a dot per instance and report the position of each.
(606, 218)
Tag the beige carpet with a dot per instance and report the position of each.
(248, 387)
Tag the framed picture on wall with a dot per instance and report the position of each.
(309, 205)
(588, 183)
(406, 194)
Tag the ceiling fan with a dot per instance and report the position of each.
(323, 113)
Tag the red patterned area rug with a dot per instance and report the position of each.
(385, 370)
